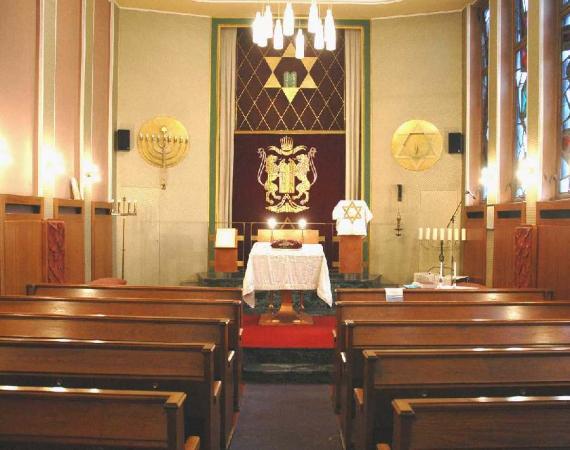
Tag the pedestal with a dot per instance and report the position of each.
(286, 314)
(225, 259)
(350, 254)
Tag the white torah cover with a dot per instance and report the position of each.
(351, 217)
(271, 269)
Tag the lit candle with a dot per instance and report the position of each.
(463, 234)
(456, 234)
(421, 234)
(428, 234)
(449, 234)
(442, 234)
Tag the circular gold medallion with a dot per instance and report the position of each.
(417, 145)
(163, 141)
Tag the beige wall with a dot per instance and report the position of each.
(416, 73)
(164, 69)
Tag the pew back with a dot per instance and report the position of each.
(171, 292)
(531, 422)
(410, 295)
(85, 417)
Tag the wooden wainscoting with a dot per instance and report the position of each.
(553, 221)
(101, 240)
(21, 237)
(507, 217)
(72, 212)
(475, 248)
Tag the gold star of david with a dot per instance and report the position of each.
(417, 145)
(352, 212)
(273, 82)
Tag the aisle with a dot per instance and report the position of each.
(286, 417)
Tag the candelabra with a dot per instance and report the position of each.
(123, 209)
(442, 239)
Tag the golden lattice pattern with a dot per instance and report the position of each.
(266, 102)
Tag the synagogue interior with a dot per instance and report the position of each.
(284, 225)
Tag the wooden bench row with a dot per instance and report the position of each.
(85, 417)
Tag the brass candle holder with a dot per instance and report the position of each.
(124, 209)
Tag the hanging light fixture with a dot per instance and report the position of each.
(256, 27)
(330, 31)
(313, 17)
(300, 45)
(278, 35)
(319, 43)
(288, 21)
(268, 22)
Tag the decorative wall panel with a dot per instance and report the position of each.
(276, 91)
(525, 257)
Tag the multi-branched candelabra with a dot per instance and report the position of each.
(124, 209)
(443, 239)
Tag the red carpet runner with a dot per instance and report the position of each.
(318, 335)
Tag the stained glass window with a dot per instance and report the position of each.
(520, 82)
(484, 20)
(564, 183)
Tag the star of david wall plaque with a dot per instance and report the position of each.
(417, 145)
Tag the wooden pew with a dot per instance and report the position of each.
(391, 374)
(363, 335)
(171, 292)
(426, 295)
(382, 310)
(140, 329)
(146, 307)
(493, 423)
(187, 368)
(137, 419)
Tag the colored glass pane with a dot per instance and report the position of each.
(521, 9)
(485, 29)
(564, 186)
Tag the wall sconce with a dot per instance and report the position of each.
(5, 156)
(91, 173)
(399, 228)
(526, 172)
(272, 223)
(52, 163)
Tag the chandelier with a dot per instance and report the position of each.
(323, 31)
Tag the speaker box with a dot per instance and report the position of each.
(455, 143)
(123, 140)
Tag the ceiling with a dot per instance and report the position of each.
(343, 9)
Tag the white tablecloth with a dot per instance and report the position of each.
(270, 269)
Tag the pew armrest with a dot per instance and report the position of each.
(359, 398)
(217, 391)
(193, 443)
(382, 447)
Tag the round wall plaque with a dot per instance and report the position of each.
(163, 142)
(417, 145)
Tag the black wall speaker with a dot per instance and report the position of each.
(455, 143)
(124, 140)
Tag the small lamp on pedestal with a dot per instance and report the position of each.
(225, 250)
(272, 223)
(302, 224)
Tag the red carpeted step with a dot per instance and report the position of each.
(318, 335)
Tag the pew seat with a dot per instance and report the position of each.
(481, 423)
(437, 372)
(87, 417)
(187, 368)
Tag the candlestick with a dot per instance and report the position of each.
(428, 234)
(442, 234)
(434, 234)
(421, 234)
(463, 234)
(449, 234)
(456, 234)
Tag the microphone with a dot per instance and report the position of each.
(470, 194)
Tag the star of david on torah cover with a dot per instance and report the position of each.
(287, 175)
(351, 217)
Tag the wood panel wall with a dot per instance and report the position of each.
(475, 247)
(507, 217)
(101, 240)
(553, 221)
(72, 212)
(21, 237)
